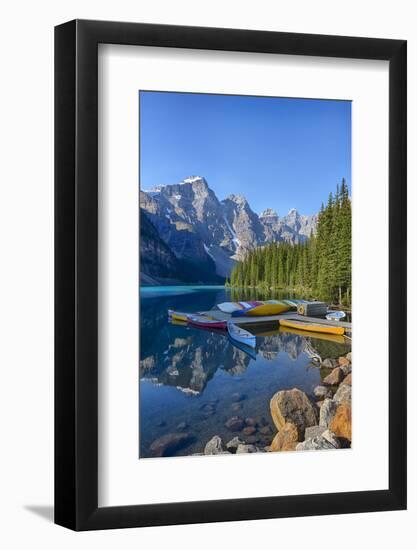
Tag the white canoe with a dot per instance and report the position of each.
(241, 335)
(335, 315)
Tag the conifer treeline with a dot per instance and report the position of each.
(319, 267)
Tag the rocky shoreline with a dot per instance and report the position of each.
(302, 424)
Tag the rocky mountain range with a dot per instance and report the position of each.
(198, 238)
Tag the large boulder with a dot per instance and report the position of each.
(168, 444)
(326, 440)
(327, 411)
(295, 407)
(214, 446)
(334, 378)
(286, 439)
(343, 394)
(341, 423)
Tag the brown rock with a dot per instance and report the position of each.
(295, 407)
(343, 361)
(168, 444)
(334, 378)
(348, 379)
(319, 403)
(250, 421)
(265, 430)
(341, 424)
(286, 439)
(249, 430)
(235, 424)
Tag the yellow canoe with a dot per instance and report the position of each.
(267, 309)
(327, 329)
(336, 338)
(178, 315)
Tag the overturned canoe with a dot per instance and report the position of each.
(203, 321)
(312, 327)
(273, 307)
(241, 335)
(231, 307)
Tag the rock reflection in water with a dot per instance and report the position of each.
(189, 378)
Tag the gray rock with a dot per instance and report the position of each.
(168, 444)
(321, 392)
(349, 356)
(214, 446)
(327, 440)
(343, 394)
(327, 411)
(346, 369)
(329, 363)
(233, 444)
(247, 449)
(314, 431)
(182, 426)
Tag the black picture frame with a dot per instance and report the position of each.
(76, 272)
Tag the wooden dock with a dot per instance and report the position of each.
(274, 319)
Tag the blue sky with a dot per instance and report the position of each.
(279, 153)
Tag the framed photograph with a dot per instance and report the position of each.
(230, 338)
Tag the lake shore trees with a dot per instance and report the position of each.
(320, 267)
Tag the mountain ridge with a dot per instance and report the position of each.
(213, 233)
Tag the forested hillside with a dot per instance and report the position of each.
(320, 267)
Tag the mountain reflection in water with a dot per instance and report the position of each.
(184, 369)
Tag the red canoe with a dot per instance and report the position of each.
(202, 321)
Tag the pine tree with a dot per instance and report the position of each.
(321, 265)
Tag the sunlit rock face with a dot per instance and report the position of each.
(212, 234)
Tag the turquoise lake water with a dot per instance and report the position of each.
(192, 380)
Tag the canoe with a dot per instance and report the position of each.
(241, 335)
(263, 309)
(335, 315)
(231, 307)
(204, 321)
(178, 315)
(335, 338)
(312, 327)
